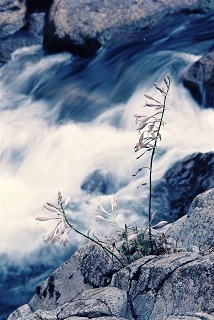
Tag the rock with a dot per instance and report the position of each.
(199, 79)
(20, 25)
(88, 268)
(197, 227)
(83, 27)
(38, 6)
(24, 312)
(167, 287)
(96, 303)
(12, 16)
(188, 177)
(101, 183)
(192, 316)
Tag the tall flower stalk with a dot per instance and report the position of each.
(149, 129)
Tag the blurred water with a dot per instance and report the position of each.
(64, 117)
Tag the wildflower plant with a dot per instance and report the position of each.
(149, 128)
(63, 226)
(134, 242)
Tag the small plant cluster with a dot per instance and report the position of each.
(134, 243)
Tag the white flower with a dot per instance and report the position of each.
(160, 224)
(45, 218)
(59, 233)
(100, 218)
(132, 236)
(67, 201)
(114, 204)
(50, 207)
(100, 209)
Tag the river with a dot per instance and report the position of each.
(63, 118)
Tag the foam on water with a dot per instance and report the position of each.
(63, 117)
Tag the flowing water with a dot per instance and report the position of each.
(64, 117)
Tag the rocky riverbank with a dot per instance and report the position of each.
(174, 285)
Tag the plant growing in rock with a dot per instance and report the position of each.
(63, 227)
(149, 128)
(134, 242)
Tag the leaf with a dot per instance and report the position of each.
(144, 152)
(142, 184)
(133, 175)
(88, 233)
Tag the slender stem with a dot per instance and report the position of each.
(151, 165)
(108, 252)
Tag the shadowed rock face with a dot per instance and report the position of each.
(188, 177)
(199, 79)
(83, 27)
(166, 287)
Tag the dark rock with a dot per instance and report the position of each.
(187, 178)
(30, 34)
(196, 228)
(38, 5)
(199, 79)
(83, 27)
(100, 183)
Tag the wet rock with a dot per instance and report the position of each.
(100, 183)
(38, 6)
(199, 79)
(83, 27)
(12, 16)
(186, 179)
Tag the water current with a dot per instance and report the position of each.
(63, 118)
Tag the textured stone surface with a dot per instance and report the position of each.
(82, 27)
(192, 316)
(88, 268)
(12, 17)
(96, 303)
(199, 79)
(166, 287)
(23, 313)
(197, 227)
(188, 177)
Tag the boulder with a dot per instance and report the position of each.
(188, 177)
(167, 285)
(88, 268)
(21, 25)
(171, 286)
(197, 227)
(12, 16)
(99, 182)
(83, 27)
(199, 79)
(38, 5)
(100, 302)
